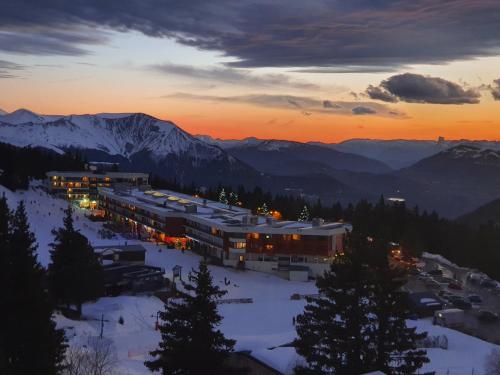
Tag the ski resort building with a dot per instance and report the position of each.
(82, 185)
(232, 235)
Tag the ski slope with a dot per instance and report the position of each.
(264, 324)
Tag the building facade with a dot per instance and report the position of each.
(82, 185)
(230, 234)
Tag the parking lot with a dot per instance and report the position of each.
(454, 285)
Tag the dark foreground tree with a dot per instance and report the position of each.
(333, 329)
(191, 344)
(396, 344)
(75, 274)
(33, 344)
(358, 324)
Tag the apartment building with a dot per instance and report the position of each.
(231, 234)
(82, 185)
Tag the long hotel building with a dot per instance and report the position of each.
(231, 234)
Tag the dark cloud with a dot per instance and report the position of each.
(495, 89)
(378, 93)
(416, 88)
(355, 35)
(232, 76)
(10, 70)
(304, 104)
(360, 110)
(329, 104)
(47, 41)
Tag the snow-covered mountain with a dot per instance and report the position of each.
(229, 143)
(136, 140)
(2, 112)
(282, 157)
(124, 134)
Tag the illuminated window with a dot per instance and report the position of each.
(85, 178)
(255, 236)
(269, 246)
(295, 237)
(238, 245)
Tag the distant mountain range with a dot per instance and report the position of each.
(397, 153)
(452, 177)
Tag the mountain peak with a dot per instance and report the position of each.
(21, 116)
(469, 151)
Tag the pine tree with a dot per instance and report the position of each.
(191, 344)
(304, 214)
(332, 330)
(223, 197)
(395, 342)
(233, 198)
(34, 345)
(5, 277)
(264, 210)
(75, 274)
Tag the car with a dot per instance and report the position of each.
(474, 298)
(462, 304)
(436, 272)
(486, 283)
(487, 316)
(455, 286)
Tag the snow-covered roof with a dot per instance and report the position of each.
(167, 203)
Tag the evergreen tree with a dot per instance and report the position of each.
(233, 198)
(191, 344)
(304, 214)
(5, 277)
(75, 274)
(33, 344)
(223, 197)
(333, 329)
(397, 353)
(264, 210)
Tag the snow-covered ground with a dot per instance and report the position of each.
(264, 324)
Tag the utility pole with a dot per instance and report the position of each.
(102, 325)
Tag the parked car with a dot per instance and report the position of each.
(486, 283)
(487, 316)
(436, 272)
(455, 286)
(474, 298)
(462, 304)
(449, 318)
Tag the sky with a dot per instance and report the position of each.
(323, 70)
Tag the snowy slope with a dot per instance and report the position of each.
(114, 134)
(264, 324)
(229, 143)
(2, 112)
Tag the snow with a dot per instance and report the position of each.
(440, 259)
(115, 134)
(260, 327)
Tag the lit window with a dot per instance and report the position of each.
(255, 236)
(269, 246)
(295, 237)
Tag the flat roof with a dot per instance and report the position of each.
(167, 203)
(96, 174)
(120, 248)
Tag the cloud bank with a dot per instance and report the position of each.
(355, 35)
(304, 104)
(416, 88)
